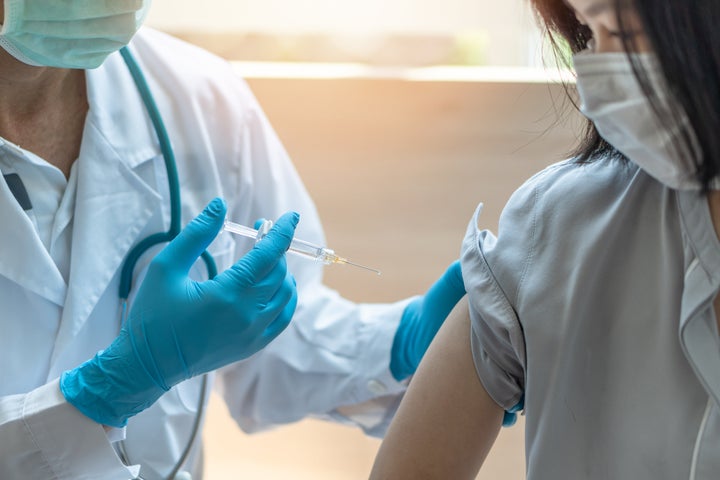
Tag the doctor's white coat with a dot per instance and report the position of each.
(334, 354)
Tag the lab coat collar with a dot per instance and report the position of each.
(114, 200)
(117, 109)
(25, 260)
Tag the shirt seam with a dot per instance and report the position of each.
(533, 247)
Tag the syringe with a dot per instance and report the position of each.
(297, 246)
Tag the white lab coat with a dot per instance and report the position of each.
(335, 353)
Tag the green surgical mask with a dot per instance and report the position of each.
(69, 33)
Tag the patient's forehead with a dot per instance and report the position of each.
(603, 14)
(595, 8)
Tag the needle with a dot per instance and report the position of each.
(297, 246)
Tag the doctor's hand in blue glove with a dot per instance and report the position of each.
(421, 320)
(178, 328)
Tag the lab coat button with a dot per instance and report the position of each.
(376, 387)
(183, 475)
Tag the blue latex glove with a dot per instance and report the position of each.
(421, 320)
(178, 328)
(510, 416)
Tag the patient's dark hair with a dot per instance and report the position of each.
(685, 37)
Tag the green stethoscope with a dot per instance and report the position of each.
(142, 247)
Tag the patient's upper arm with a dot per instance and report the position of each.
(447, 422)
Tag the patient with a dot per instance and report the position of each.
(596, 301)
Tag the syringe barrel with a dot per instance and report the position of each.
(310, 250)
(238, 229)
(297, 246)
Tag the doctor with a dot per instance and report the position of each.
(87, 177)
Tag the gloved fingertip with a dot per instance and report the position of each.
(294, 218)
(520, 405)
(291, 218)
(509, 419)
(454, 273)
(215, 208)
(211, 217)
(258, 223)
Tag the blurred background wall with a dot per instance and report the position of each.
(396, 160)
(468, 32)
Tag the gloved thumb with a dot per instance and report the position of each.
(259, 261)
(421, 320)
(447, 291)
(193, 240)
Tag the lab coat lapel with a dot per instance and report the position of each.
(115, 202)
(26, 261)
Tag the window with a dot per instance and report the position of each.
(375, 32)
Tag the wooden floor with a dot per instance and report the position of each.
(396, 169)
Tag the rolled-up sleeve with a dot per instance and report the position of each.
(493, 271)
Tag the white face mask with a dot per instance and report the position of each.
(612, 98)
(69, 34)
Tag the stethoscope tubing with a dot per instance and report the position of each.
(173, 183)
(162, 237)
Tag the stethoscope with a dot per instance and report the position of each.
(148, 242)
